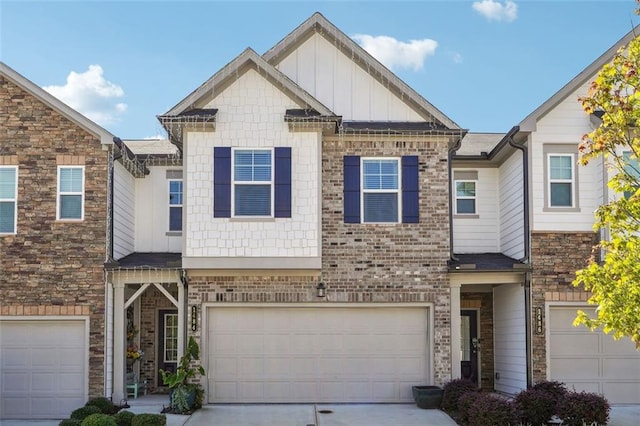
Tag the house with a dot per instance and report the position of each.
(53, 194)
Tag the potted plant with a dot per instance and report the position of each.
(185, 396)
(427, 397)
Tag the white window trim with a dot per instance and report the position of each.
(181, 205)
(59, 194)
(572, 181)
(397, 191)
(164, 345)
(14, 200)
(465, 197)
(271, 183)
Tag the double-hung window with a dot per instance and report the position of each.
(70, 193)
(175, 205)
(465, 197)
(8, 199)
(561, 180)
(381, 190)
(252, 182)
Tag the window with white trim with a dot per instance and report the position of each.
(252, 182)
(170, 338)
(8, 199)
(70, 193)
(465, 196)
(381, 190)
(175, 205)
(560, 168)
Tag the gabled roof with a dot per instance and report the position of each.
(317, 23)
(106, 138)
(529, 122)
(228, 74)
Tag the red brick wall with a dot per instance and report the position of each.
(51, 267)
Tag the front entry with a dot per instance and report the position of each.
(167, 341)
(469, 344)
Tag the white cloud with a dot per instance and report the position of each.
(397, 54)
(92, 95)
(497, 11)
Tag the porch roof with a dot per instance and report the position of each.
(151, 260)
(484, 262)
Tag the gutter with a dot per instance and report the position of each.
(110, 226)
(452, 150)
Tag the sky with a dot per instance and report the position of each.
(486, 64)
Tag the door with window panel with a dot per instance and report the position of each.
(167, 341)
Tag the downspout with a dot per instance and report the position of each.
(527, 250)
(452, 149)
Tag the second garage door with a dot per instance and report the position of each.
(316, 354)
(592, 361)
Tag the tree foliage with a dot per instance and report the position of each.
(614, 282)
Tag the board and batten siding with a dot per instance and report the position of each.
(511, 206)
(341, 85)
(152, 213)
(510, 354)
(565, 124)
(479, 233)
(251, 115)
(123, 212)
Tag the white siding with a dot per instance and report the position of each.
(251, 114)
(565, 124)
(512, 207)
(152, 213)
(341, 85)
(510, 358)
(479, 234)
(123, 212)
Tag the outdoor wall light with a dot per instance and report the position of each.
(322, 290)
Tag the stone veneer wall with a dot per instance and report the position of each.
(53, 267)
(555, 257)
(366, 263)
(483, 302)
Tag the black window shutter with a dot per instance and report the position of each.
(351, 189)
(282, 190)
(221, 182)
(410, 184)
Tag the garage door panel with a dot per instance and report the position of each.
(566, 343)
(317, 354)
(13, 358)
(15, 382)
(581, 368)
(577, 386)
(620, 368)
(618, 347)
(622, 392)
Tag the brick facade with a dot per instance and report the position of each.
(53, 267)
(555, 257)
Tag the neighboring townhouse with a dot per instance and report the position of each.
(53, 198)
(312, 260)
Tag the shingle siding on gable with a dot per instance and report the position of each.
(50, 267)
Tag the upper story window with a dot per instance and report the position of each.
(380, 190)
(70, 193)
(8, 199)
(465, 196)
(561, 180)
(632, 167)
(252, 182)
(175, 205)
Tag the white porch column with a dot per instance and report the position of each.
(456, 371)
(119, 336)
(181, 318)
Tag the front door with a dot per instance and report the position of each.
(469, 344)
(167, 341)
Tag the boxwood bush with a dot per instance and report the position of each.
(70, 422)
(104, 404)
(579, 408)
(124, 418)
(453, 390)
(99, 419)
(83, 412)
(149, 420)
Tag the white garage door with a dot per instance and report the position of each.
(43, 368)
(592, 361)
(316, 354)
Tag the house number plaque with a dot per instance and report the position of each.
(539, 328)
(194, 318)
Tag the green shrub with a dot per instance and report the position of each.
(124, 418)
(578, 408)
(453, 390)
(99, 419)
(149, 420)
(489, 410)
(82, 412)
(70, 422)
(104, 404)
(535, 406)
